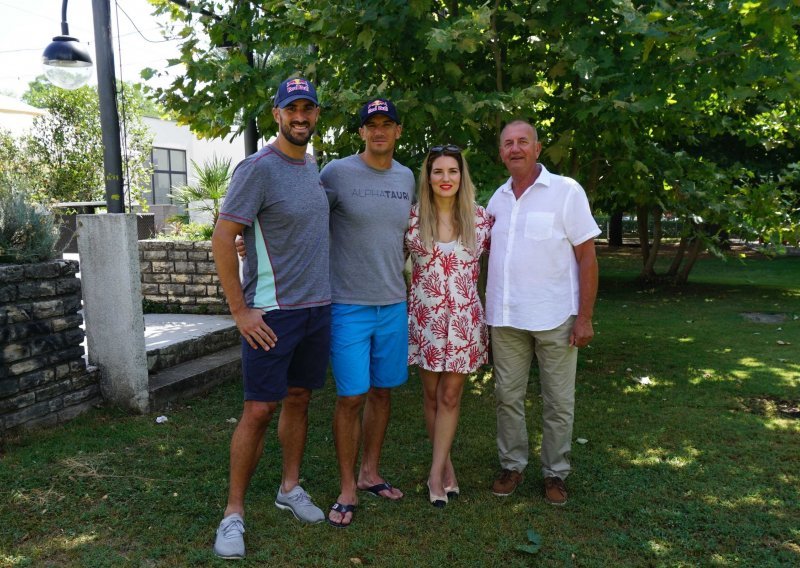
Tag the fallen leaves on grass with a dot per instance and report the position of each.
(91, 467)
(535, 540)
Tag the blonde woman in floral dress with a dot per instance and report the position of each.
(447, 234)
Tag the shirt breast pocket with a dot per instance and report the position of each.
(539, 226)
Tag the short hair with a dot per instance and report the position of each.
(517, 121)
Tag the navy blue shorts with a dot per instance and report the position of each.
(299, 358)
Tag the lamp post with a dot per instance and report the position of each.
(66, 62)
(109, 116)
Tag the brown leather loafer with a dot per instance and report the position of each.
(506, 482)
(555, 492)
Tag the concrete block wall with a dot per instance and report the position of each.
(44, 379)
(180, 276)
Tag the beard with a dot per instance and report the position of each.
(286, 130)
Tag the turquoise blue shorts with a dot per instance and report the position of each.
(369, 347)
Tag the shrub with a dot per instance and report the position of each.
(213, 178)
(187, 232)
(28, 231)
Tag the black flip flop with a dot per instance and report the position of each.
(376, 490)
(343, 510)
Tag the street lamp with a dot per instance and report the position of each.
(67, 63)
(66, 55)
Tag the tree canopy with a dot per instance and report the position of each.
(62, 156)
(684, 106)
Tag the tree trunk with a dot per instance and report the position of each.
(615, 229)
(649, 270)
(644, 234)
(724, 240)
(453, 7)
(574, 164)
(594, 177)
(694, 253)
(676, 262)
(498, 63)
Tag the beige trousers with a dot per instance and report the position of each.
(513, 351)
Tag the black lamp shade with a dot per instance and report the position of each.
(66, 51)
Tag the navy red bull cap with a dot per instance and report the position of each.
(294, 89)
(378, 106)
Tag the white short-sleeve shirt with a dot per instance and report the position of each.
(533, 274)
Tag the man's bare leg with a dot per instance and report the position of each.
(373, 427)
(292, 431)
(346, 436)
(247, 445)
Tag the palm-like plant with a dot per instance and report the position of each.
(213, 178)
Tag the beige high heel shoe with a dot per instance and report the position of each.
(438, 501)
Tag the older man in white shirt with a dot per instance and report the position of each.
(540, 296)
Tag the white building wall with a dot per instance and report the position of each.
(168, 134)
(16, 116)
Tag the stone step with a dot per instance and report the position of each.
(189, 344)
(194, 377)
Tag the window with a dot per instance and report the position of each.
(169, 170)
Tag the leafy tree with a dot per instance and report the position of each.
(13, 165)
(65, 150)
(682, 107)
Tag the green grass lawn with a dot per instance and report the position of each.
(700, 467)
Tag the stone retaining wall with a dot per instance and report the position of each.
(44, 379)
(179, 276)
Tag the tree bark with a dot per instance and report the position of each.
(649, 266)
(594, 177)
(676, 261)
(453, 7)
(694, 253)
(574, 164)
(644, 234)
(498, 63)
(615, 229)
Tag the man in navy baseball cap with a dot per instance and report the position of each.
(294, 89)
(376, 107)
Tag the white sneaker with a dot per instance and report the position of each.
(229, 543)
(299, 503)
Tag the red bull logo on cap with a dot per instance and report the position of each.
(297, 85)
(377, 106)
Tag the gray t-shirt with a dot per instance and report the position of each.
(369, 217)
(286, 266)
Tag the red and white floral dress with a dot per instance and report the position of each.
(446, 323)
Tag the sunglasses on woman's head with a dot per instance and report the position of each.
(448, 148)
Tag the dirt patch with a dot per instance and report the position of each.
(764, 317)
(772, 407)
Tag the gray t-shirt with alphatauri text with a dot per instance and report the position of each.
(368, 219)
(282, 205)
